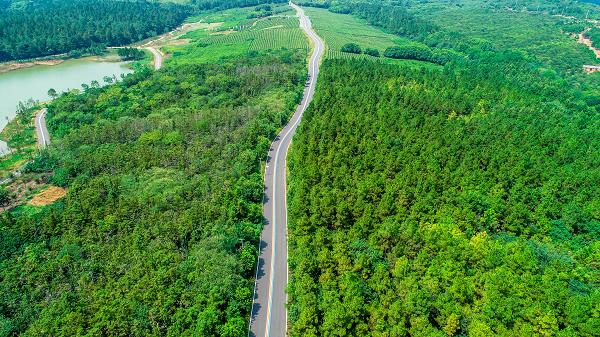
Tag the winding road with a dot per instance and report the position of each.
(269, 313)
(41, 131)
(158, 58)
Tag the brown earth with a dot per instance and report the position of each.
(586, 41)
(48, 196)
(10, 66)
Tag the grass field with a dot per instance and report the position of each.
(231, 32)
(340, 29)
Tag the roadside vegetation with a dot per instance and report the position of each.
(158, 230)
(444, 181)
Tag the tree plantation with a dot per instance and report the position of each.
(426, 204)
(444, 180)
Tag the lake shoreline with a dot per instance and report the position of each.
(54, 60)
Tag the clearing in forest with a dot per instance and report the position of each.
(237, 31)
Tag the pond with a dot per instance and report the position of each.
(34, 82)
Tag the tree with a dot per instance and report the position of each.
(130, 54)
(52, 93)
(372, 51)
(4, 196)
(352, 48)
(86, 26)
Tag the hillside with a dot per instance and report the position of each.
(444, 181)
(158, 232)
(41, 28)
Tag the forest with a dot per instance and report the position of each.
(221, 4)
(460, 201)
(158, 233)
(42, 28)
(440, 203)
(451, 199)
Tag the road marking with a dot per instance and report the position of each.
(313, 64)
(41, 128)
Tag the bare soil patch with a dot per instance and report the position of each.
(48, 196)
(586, 41)
(10, 66)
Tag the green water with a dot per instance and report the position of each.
(34, 82)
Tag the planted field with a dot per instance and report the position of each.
(340, 29)
(264, 34)
(232, 33)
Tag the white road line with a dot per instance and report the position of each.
(304, 23)
(41, 128)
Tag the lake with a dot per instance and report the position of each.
(34, 82)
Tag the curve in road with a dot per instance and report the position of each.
(158, 58)
(269, 313)
(43, 137)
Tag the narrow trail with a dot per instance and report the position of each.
(269, 313)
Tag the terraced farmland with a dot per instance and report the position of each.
(231, 33)
(269, 33)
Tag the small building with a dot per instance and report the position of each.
(591, 69)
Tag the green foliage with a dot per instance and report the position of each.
(426, 203)
(338, 30)
(244, 36)
(4, 196)
(372, 52)
(130, 54)
(393, 18)
(158, 233)
(225, 4)
(594, 35)
(421, 53)
(43, 28)
(351, 48)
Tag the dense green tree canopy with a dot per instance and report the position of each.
(351, 48)
(41, 28)
(158, 233)
(442, 203)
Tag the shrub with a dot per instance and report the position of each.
(4, 196)
(372, 52)
(420, 53)
(351, 48)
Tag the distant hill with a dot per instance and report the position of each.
(41, 28)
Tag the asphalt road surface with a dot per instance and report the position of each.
(269, 313)
(43, 137)
(157, 57)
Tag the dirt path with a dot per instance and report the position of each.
(584, 40)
